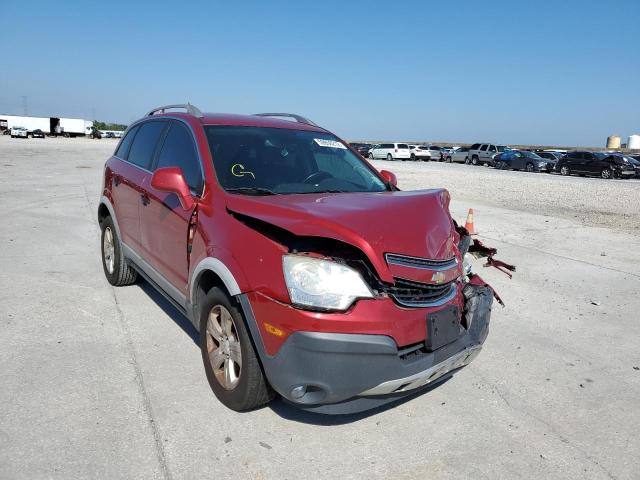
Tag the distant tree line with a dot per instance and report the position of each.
(108, 126)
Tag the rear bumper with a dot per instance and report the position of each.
(342, 372)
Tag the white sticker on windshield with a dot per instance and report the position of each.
(329, 143)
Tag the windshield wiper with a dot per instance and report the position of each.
(252, 191)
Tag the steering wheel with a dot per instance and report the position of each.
(316, 177)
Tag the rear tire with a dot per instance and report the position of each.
(529, 167)
(467, 161)
(230, 362)
(413, 157)
(389, 157)
(371, 156)
(474, 161)
(606, 173)
(564, 170)
(116, 268)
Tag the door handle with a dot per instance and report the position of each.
(144, 198)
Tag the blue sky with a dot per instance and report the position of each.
(539, 72)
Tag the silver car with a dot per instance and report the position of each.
(459, 155)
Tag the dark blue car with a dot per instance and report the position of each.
(523, 160)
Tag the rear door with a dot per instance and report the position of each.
(129, 175)
(163, 221)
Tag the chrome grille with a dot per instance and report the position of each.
(414, 294)
(417, 262)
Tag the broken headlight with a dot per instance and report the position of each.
(322, 284)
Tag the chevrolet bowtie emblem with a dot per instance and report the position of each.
(437, 278)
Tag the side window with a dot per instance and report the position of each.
(403, 145)
(492, 148)
(178, 150)
(144, 143)
(475, 146)
(483, 148)
(123, 148)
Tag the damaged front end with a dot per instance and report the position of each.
(413, 323)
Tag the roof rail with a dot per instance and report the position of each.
(297, 118)
(191, 110)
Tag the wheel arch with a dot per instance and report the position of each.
(105, 209)
(211, 272)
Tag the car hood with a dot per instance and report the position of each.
(413, 223)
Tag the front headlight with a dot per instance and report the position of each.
(322, 283)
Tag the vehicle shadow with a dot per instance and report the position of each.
(288, 411)
(279, 406)
(171, 311)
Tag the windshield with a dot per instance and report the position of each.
(265, 161)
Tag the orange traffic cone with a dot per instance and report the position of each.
(469, 225)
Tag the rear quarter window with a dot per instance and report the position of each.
(144, 144)
(403, 145)
(125, 144)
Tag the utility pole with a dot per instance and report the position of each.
(25, 110)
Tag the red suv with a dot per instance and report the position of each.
(306, 271)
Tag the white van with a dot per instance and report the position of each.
(391, 151)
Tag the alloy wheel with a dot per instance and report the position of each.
(223, 347)
(108, 250)
(606, 173)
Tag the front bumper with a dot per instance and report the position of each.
(347, 372)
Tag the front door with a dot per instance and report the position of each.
(163, 221)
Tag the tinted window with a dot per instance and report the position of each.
(433, 147)
(492, 148)
(475, 146)
(483, 148)
(144, 144)
(123, 148)
(403, 145)
(178, 150)
(386, 145)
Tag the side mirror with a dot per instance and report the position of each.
(389, 177)
(171, 180)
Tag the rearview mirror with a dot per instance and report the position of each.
(389, 177)
(171, 180)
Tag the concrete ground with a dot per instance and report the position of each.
(102, 382)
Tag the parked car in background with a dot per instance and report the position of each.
(635, 161)
(361, 148)
(459, 155)
(523, 160)
(436, 152)
(420, 152)
(37, 133)
(305, 271)
(549, 155)
(391, 151)
(19, 132)
(597, 164)
(484, 153)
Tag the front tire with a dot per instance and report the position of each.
(564, 170)
(474, 161)
(233, 370)
(606, 173)
(529, 167)
(413, 157)
(115, 266)
(389, 157)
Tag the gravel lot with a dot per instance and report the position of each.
(102, 382)
(590, 201)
